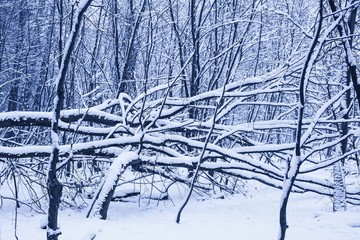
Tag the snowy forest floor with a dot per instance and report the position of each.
(254, 216)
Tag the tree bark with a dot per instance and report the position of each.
(53, 184)
(296, 160)
(339, 201)
(339, 198)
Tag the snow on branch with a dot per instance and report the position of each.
(107, 187)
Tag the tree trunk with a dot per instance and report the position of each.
(296, 160)
(339, 201)
(103, 196)
(53, 184)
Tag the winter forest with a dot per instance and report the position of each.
(108, 105)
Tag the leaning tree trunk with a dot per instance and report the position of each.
(53, 184)
(296, 159)
(105, 192)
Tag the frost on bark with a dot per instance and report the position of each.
(106, 190)
(347, 28)
(339, 201)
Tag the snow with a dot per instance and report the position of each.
(117, 167)
(251, 217)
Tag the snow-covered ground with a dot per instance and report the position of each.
(254, 216)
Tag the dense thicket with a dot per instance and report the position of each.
(202, 94)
